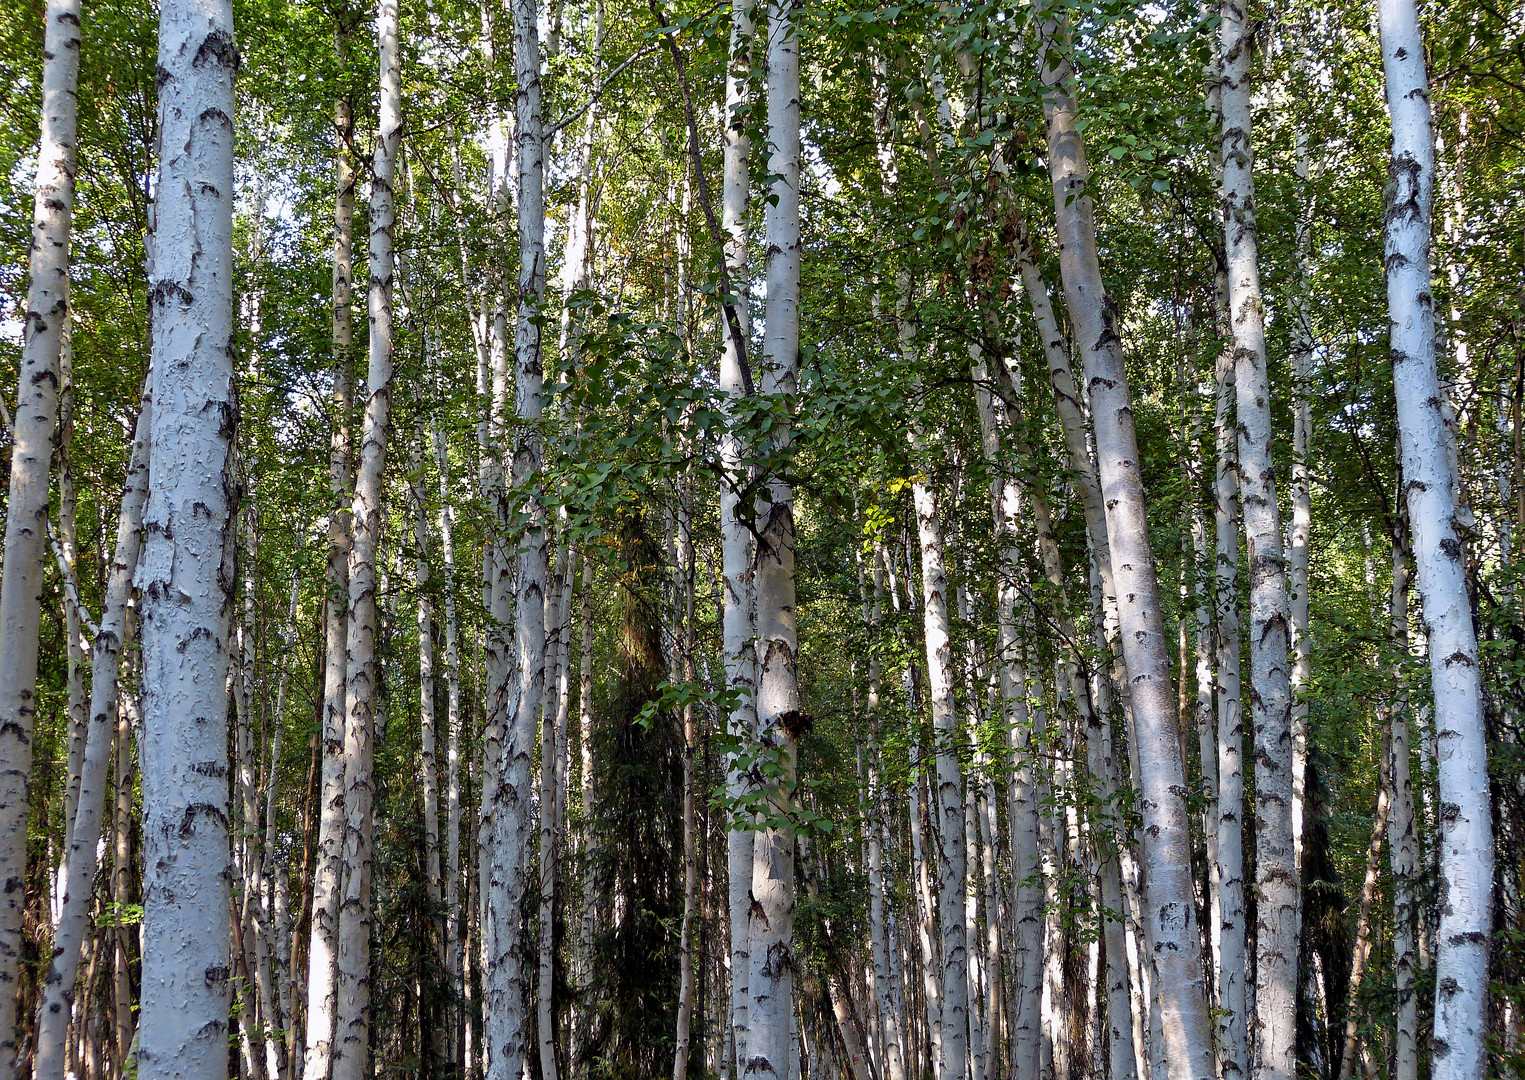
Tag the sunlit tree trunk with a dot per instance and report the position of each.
(26, 508)
(1166, 841)
(80, 860)
(362, 675)
(507, 1027)
(1430, 487)
(323, 948)
(1302, 502)
(770, 979)
(1276, 880)
(739, 598)
(186, 571)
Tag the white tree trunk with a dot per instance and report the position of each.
(80, 860)
(323, 948)
(186, 570)
(885, 990)
(1430, 483)
(1276, 880)
(684, 618)
(739, 618)
(582, 970)
(362, 674)
(770, 980)
(507, 1026)
(953, 1014)
(26, 509)
(76, 645)
(1403, 844)
(424, 614)
(1166, 838)
(1302, 503)
(1362, 951)
(1228, 930)
(453, 934)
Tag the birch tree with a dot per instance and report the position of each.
(323, 950)
(1276, 880)
(1430, 490)
(1166, 834)
(186, 570)
(739, 599)
(770, 977)
(352, 1019)
(80, 861)
(26, 508)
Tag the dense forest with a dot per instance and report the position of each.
(848, 540)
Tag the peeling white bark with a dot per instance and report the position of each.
(362, 673)
(80, 860)
(1459, 1049)
(1166, 842)
(47, 310)
(186, 570)
(770, 979)
(323, 947)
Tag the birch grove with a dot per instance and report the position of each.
(851, 542)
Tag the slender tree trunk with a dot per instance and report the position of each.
(690, 849)
(362, 672)
(885, 988)
(1302, 504)
(1276, 880)
(507, 1023)
(1402, 840)
(1166, 838)
(1229, 929)
(186, 570)
(80, 861)
(453, 801)
(428, 761)
(26, 510)
(76, 698)
(1430, 487)
(248, 855)
(122, 875)
(949, 804)
(275, 899)
(582, 971)
(738, 617)
(323, 947)
(1362, 951)
(550, 768)
(770, 980)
